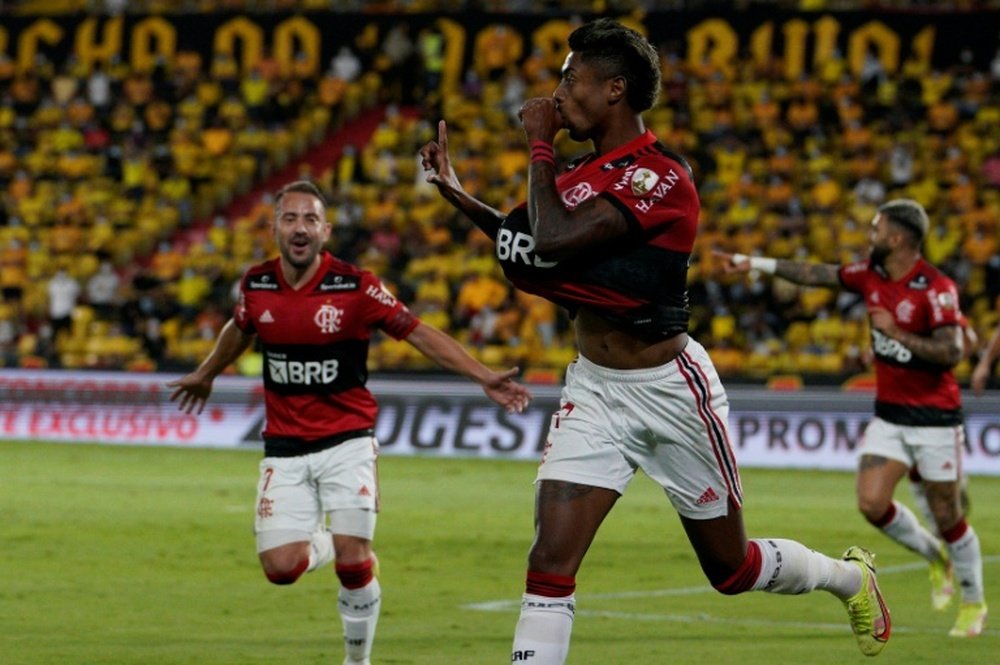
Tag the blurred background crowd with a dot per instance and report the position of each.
(134, 198)
(498, 6)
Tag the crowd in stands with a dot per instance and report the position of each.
(102, 171)
(115, 7)
(785, 169)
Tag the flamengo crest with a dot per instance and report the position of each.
(328, 318)
(577, 195)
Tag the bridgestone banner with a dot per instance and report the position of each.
(814, 429)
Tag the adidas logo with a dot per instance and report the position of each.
(708, 496)
(266, 317)
(364, 491)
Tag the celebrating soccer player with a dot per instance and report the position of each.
(609, 239)
(916, 330)
(314, 314)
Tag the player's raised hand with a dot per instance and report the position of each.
(502, 389)
(541, 119)
(732, 264)
(434, 158)
(882, 320)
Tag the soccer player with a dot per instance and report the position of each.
(609, 239)
(314, 314)
(917, 340)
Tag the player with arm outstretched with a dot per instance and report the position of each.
(314, 315)
(917, 339)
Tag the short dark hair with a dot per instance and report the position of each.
(301, 186)
(908, 215)
(621, 51)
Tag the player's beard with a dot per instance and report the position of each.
(300, 262)
(878, 254)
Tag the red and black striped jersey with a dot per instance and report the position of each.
(909, 390)
(315, 345)
(639, 280)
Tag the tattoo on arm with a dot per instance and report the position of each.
(809, 274)
(942, 347)
(544, 204)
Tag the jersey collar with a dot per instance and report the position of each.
(639, 142)
(325, 259)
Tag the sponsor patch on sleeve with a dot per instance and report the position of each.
(643, 181)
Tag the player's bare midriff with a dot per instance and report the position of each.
(603, 344)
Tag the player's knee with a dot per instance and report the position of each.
(287, 576)
(356, 575)
(283, 570)
(878, 513)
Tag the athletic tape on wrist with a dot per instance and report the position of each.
(543, 152)
(762, 263)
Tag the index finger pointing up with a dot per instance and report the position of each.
(443, 135)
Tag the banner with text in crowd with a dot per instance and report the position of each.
(811, 429)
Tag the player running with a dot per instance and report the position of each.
(609, 238)
(917, 340)
(314, 315)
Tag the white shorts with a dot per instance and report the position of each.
(295, 494)
(936, 451)
(670, 421)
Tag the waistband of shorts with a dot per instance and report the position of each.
(641, 375)
(280, 446)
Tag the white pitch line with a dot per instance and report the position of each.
(511, 605)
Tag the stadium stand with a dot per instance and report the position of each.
(157, 179)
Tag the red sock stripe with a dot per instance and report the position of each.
(955, 532)
(551, 586)
(355, 575)
(889, 516)
(746, 575)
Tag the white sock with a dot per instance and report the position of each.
(320, 549)
(789, 567)
(359, 609)
(967, 562)
(543, 630)
(906, 530)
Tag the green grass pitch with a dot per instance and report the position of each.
(125, 555)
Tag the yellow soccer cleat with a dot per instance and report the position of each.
(942, 584)
(970, 621)
(866, 609)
